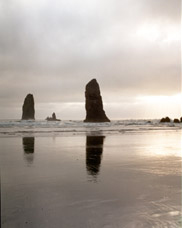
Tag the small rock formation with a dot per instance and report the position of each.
(165, 120)
(176, 121)
(94, 105)
(28, 108)
(181, 119)
(53, 118)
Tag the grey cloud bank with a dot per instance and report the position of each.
(53, 48)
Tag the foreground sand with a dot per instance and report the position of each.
(126, 180)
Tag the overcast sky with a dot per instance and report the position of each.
(52, 48)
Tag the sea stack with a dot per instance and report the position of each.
(53, 118)
(28, 108)
(94, 105)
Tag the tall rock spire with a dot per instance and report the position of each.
(94, 105)
(28, 108)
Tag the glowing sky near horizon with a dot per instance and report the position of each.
(52, 49)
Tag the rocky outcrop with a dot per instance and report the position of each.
(168, 120)
(53, 118)
(94, 105)
(28, 108)
(165, 120)
(176, 121)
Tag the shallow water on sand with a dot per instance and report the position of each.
(124, 181)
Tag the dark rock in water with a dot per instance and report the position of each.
(181, 119)
(53, 118)
(165, 120)
(176, 121)
(94, 105)
(28, 108)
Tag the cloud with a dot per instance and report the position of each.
(54, 48)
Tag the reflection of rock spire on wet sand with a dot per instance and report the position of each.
(28, 147)
(94, 149)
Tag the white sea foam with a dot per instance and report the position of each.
(18, 127)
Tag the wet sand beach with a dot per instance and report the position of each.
(126, 180)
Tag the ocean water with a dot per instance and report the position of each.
(70, 174)
(43, 127)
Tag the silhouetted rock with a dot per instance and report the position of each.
(181, 119)
(165, 120)
(28, 108)
(53, 118)
(94, 105)
(176, 121)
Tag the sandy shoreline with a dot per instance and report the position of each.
(119, 180)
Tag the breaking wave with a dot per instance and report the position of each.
(19, 127)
